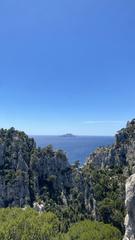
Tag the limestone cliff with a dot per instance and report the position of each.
(26, 171)
(15, 151)
(121, 154)
(95, 191)
(28, 174)
(130, 208)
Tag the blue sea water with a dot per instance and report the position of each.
(76, 148)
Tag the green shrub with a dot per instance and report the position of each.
(88, 230)
(18, 224)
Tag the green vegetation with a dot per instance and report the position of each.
(18, 224)
(72, 193)
(109, 193)
(27, 224)
(88, 230)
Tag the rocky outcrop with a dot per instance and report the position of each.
(40, 207)
(121, 153)
(31, 175)
(27, 173)
(130, 208)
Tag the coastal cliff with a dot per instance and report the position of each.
(94, 191)
(120, 154)
(27, 172)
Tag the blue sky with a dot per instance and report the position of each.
(67, 65)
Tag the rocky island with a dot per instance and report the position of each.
(68, 135)
(96, 191)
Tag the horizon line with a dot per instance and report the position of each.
(74, 135)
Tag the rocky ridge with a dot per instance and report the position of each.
(120, 154)
(94, 191)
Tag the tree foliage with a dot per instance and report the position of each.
(27, 224)
(18, 224)
(88, 230)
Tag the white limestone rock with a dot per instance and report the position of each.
(40, 207)
(130, 207)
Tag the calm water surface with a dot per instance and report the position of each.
(76, 148)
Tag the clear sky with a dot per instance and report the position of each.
(67, 65)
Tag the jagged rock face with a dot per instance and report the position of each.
(51, 172)
(121, 154)
(130, 207)
(27, 172)
(15, 150)
(101, 158)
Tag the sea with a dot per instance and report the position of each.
(75, 147)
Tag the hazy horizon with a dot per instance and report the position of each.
(61, 135)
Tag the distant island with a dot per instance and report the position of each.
(68, 135)
(64, 194)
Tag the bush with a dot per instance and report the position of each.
(18, 224)
(88, 230)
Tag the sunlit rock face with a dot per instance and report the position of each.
(29, 174)
(130, 208)
(121, 153)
